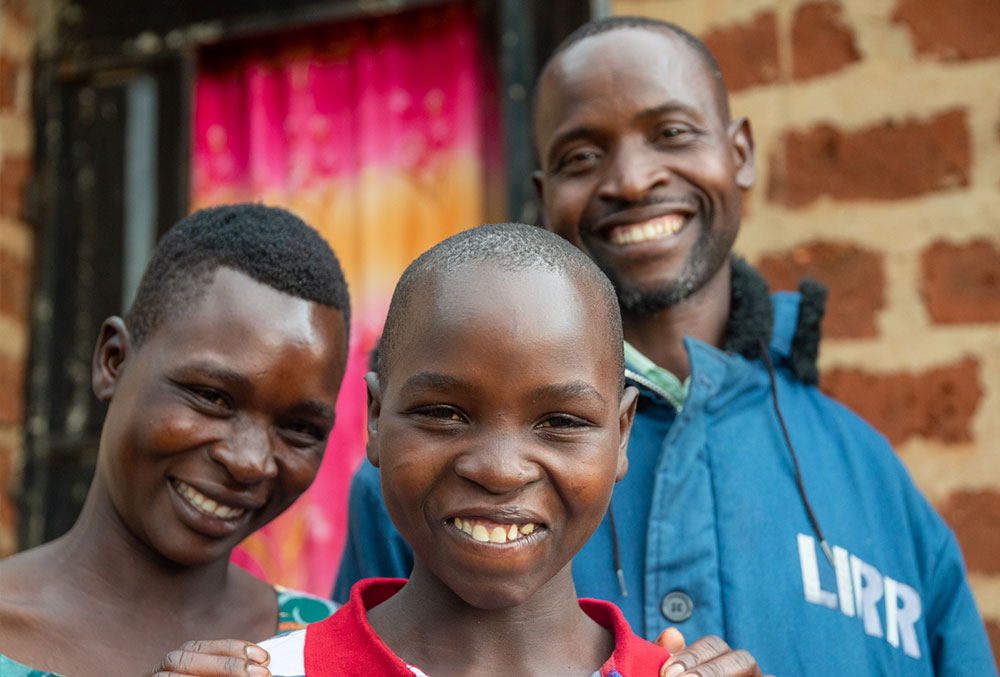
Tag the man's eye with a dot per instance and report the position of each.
(578, 159)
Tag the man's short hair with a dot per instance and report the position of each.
(269, 244)
(510, 247)
(611, 23)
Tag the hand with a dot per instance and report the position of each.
(708, 657)
(214, 658)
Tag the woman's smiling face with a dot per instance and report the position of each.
(500, 429)
(220, 419)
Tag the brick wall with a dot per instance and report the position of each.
(16, 247)
(877, 124)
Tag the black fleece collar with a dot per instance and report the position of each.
(751, 319)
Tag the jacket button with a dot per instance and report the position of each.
(676, 607)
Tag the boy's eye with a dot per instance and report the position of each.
(443, 413)
(563, 421)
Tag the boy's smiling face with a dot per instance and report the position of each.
(500, 429)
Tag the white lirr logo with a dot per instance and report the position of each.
(860, 587)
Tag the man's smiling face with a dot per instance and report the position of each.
(500, 429)
(640, 166)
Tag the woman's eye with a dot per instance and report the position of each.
(305, 429)
(212, 396)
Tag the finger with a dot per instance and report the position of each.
(200, 664)
(227, 647)
(671, 639)
(702, 651)
(732, 664)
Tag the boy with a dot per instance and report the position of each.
(499, 420)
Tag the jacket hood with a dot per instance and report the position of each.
(794, 337)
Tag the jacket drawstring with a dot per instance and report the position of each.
(617, 551)
(795, 461)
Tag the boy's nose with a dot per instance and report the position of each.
(246, 454)
(498, 467)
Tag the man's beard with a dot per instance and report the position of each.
(710, 252)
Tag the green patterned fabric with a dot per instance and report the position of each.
(665, 380)
(295, 610)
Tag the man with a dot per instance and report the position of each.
(754, 507)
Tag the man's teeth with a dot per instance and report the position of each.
(496, 533)
(205, 504)
(661, 226)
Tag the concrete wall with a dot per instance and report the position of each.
(877, 124)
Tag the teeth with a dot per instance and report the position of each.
(499, 533)
(660, 227)
(205, 504)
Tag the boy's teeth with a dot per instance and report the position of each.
(660, 227)
(205, 504)
(498, 533)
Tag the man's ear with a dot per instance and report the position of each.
(538, 180)
(114, 348)
(741, 140)
(626, 414)
(374, 410)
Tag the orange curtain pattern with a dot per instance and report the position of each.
(372, 132)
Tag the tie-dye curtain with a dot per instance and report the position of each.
(371, 131)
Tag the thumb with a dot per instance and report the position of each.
(671, 639)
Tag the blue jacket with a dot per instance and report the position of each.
(710, 508)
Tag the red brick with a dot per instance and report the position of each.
(888, 161)
(853, 275)
(14, 173)
(747, 53)
(822, 42)
(953, 30)
(975, 517)
(961, 283)
(11, 390)
(936, 404)
(993, 632)
(8, 83)
(14, 286)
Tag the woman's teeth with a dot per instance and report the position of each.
(654, 229)
(206, 505)
(493, 532)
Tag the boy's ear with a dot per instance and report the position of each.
(374, 410)
(626, 414)
(113, 349)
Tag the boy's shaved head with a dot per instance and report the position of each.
(269, 244)
(505, 246)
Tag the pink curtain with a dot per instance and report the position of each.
(371, 131)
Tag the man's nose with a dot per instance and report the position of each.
(499, 466)
(634, 171)
(247, 453)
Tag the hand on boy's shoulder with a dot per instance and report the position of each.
(708, 657)
(214, 658)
